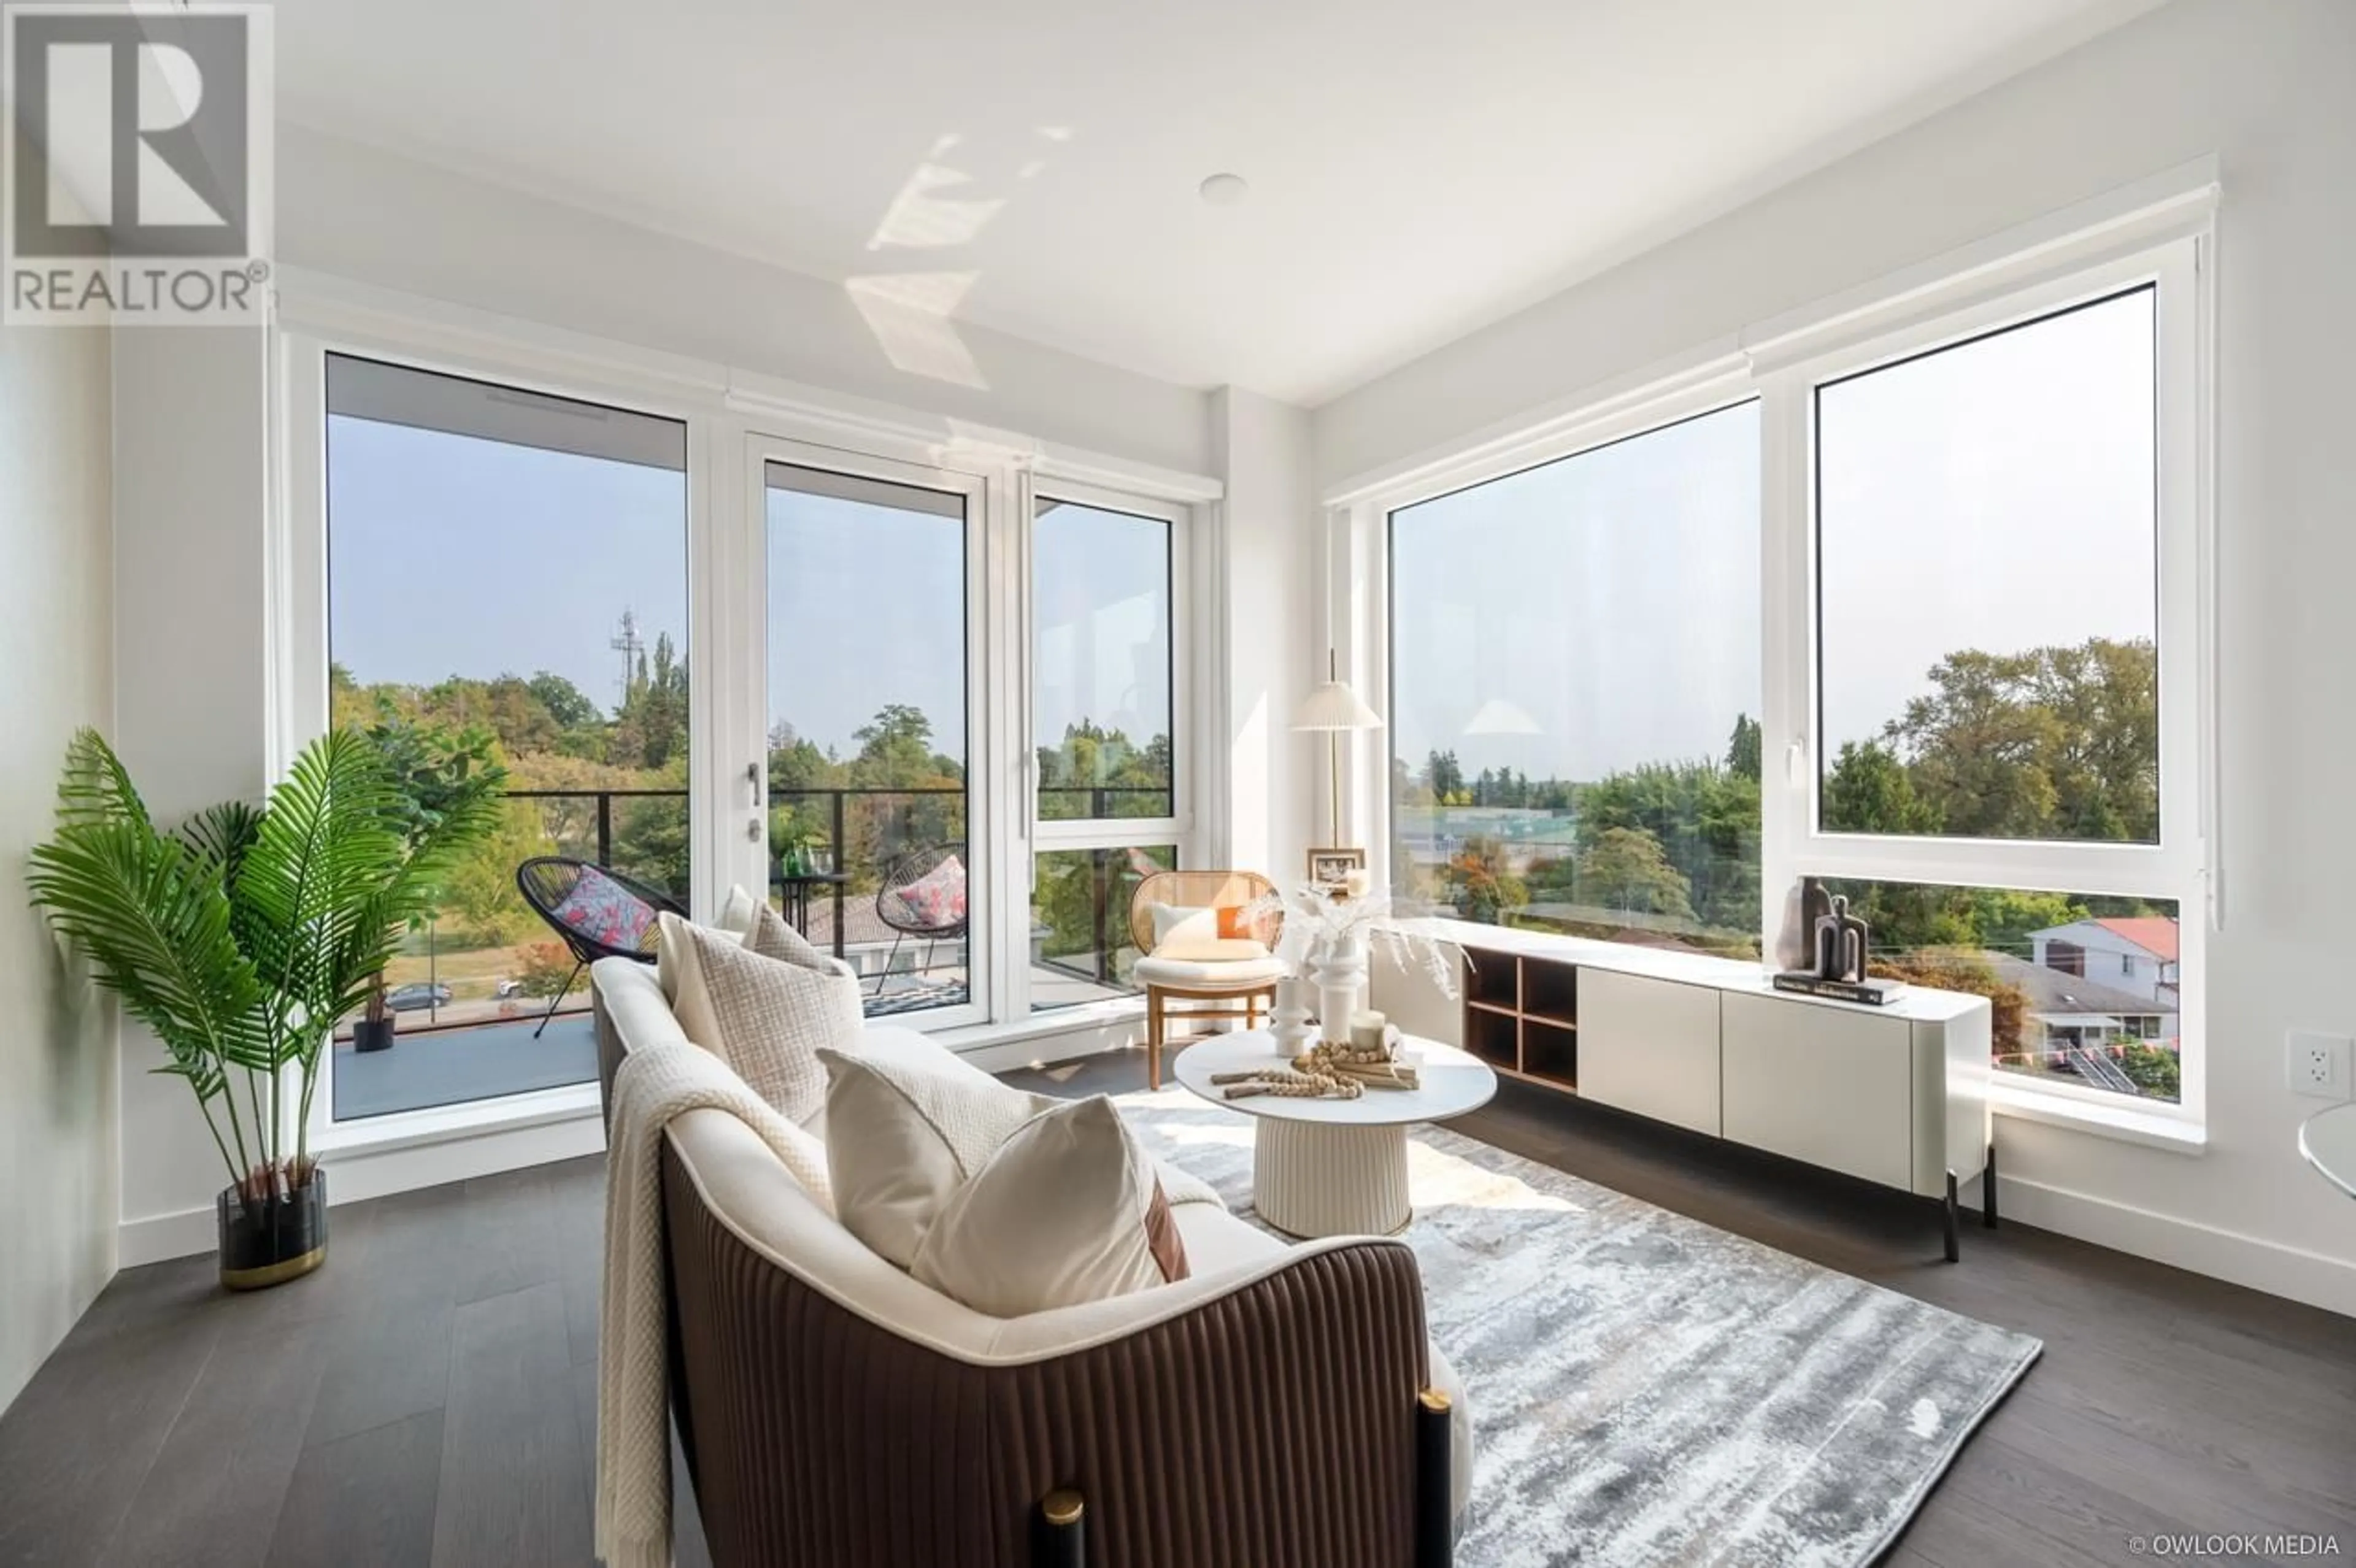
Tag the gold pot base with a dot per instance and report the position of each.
(278, 1273)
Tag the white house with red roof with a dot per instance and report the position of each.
(2135, 954)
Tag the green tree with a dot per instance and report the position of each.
(1705, 818)
(1481, 883)
(1742, 748)
(1446, 778)
(1626, 870)
(2056, 743)
(1871, 791)
(565, 702)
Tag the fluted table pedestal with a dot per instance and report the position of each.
(1335, 1168)
(1311, 1180)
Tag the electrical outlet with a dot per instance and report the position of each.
(2317, 1064)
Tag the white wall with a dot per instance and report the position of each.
(369, 216)
(2266, 88)
(1267, 636)
(188, 646)
(57, 1136)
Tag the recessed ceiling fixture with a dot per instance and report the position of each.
(1225, 190)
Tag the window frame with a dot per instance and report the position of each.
(1641, 419)
(750, 650)
(1115, 832)
(1189, 745)
(1362, 554)
(1793, 841)
(727, 411)
(2049, 266)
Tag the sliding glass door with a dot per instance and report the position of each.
(871, 588)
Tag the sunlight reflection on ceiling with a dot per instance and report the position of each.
(937, 208)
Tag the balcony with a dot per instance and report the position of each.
(469, 988)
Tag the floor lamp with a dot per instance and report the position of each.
(1331, 708)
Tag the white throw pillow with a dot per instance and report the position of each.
(908, 1125)
(766, 1018)
(1069, 1210)
(737, 909)
(1193, 933)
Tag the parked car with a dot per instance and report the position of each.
(418, 993)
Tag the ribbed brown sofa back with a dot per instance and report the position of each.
(1272, 1428)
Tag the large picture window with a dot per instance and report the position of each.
(510, 564)
(1575, 692)
(1923, 620)
(2004, 697)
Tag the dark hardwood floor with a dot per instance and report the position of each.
(429, 1398)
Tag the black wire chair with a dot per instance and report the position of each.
(904, 919)
(598, 913)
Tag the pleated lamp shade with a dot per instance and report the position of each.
(1332, 705)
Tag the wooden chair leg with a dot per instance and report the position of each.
(1153, 1015)
(1251, 1010)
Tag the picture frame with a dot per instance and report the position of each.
(1327, 868)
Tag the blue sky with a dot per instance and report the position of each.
(1997, 495)
(1610, 600)
(450, 554)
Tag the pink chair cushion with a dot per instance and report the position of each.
(937, 899)
(604, 911)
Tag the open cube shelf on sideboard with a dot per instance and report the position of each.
(1521, 1016)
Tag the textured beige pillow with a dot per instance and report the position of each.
(1069, 1210)
(766, 1017)
(907, 1125)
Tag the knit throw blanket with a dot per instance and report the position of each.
(655, 1084)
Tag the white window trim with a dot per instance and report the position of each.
(1187, 732)
(747, 656)
(725, 408)
(2159, 229)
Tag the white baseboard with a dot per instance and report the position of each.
(2273, 1267)
(358, 1175)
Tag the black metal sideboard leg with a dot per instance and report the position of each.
(1952, 1215)
(1987, 1187)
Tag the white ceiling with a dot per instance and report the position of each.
(1417, 169)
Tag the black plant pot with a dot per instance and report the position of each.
(372, 1034)
(269, 1240)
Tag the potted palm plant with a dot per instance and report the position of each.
(240, 937)
(437, 773)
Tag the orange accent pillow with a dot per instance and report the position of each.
(1235, 925)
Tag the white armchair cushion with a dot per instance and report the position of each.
(908, 1125)
(1243, 974)
(1069, 1210)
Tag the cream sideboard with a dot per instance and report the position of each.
(1895, 1094)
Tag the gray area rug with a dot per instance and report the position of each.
(1646, 1389)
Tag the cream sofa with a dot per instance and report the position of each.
(1281, 1406)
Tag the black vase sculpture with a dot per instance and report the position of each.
(1840, 945)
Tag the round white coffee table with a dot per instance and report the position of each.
(2327, 1139)
(1334, 1168)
